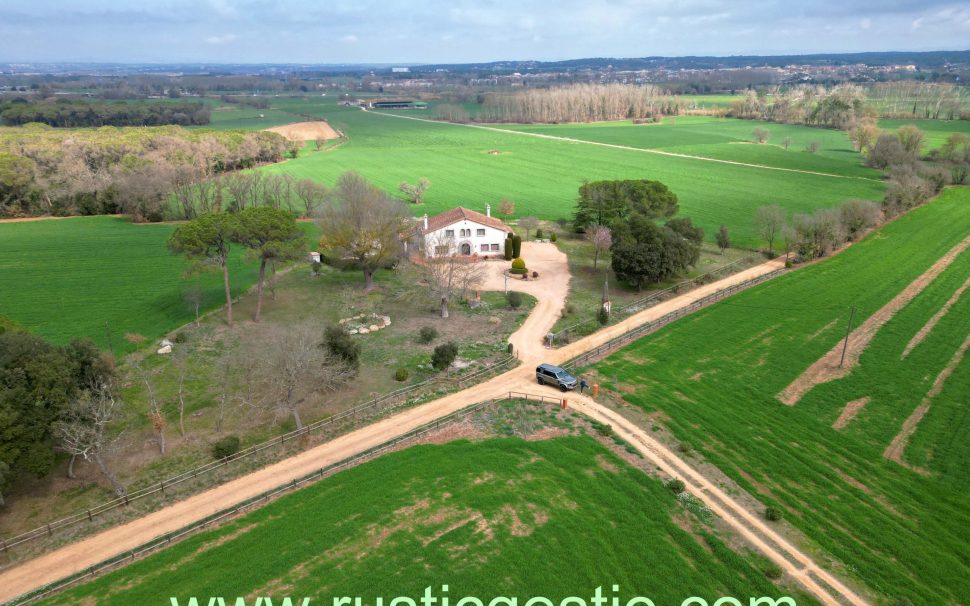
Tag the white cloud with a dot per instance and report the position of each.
(865, 23)
(224, 9)
(216, 40)
(349, 39)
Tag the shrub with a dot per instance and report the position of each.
(510, 349)
(340, 344)
(444, 355)
(539, 234)
(180, 337)
(514, 298)
(315, 267)
(562, 221)
(773, 571)
(226, 447)
(772, 514)
(518, 266)
(427, 334)
(570, 308)
(402, 374)
(788, 264)
(508, 249)
(812, 147)
(676, 486)
(602, 428)
(552, 237)
(602, 316)
(516, 246)
(684, 447)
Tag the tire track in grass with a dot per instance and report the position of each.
(928, 327)
(644, 150)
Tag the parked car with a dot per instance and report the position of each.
(547, 374)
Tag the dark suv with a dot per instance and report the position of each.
(547, 374)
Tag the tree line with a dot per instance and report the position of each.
(75, 113)
(578, 103)
(132, 171)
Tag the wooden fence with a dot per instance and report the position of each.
(331, 425)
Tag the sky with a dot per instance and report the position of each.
(440, 31)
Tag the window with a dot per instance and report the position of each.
(494, 247)
(484, 248)
(441, 250)
(449, 233)
(465, 233)
(480, 232)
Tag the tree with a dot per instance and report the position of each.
(311, 194)
(272, 235)
(341, 345)
(194, 296)
(84, 429)
(443, 355)
(601, 238)
(858, 216)
(506, 207)
(295, 367)
(508, 249)
(786, 143)
(769, 221)
(415, 193)
(610, 203)
(514, 299)
(888, 151)
(448, 276)
(760, 135)
(363, 226)
(864, 135)
(912, 139)
(812, 147)
(529, 223)
(723, 239)
(645, 252)
(516, 246)
(208, 238)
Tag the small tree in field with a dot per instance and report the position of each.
(769, 221)
(761, 135)
(601, 238)
(208, 238)
(812, 147)
(415, 193)
(786, 143)
(272, 235)
(506, 207)
(444, 355)
(194, 296)
(83, 430)
(723, 239)
(529, 223)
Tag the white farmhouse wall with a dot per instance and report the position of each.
(465, 233)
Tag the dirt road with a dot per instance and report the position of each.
(78, 556)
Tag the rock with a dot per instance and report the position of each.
(166, 343)
(363, 331)
(353, 331)
(387, 320)
(373, 328)
(165, 350)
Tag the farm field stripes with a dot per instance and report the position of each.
(712, 377)
(496, 517)
(648, 150)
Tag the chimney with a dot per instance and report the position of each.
(426, 220)
(488, 210)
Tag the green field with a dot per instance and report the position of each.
(936, 131)
(542, 176)
(499, 517)
(714, 375)
(91, 276)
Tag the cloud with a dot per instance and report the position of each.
(217, 40)
(349, 39)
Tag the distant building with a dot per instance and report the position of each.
(396, 104)
(463, 232)
(400, 70)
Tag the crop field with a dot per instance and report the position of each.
(498, 517)
(903, 530)
(936, 131)
(473, 167)
(97, 277)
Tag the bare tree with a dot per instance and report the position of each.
(83, 432)
(180, 361)
(415, 193)
(786, 143)
(506, 207)
(529, 223)
(760, 135)
(194, 296)
(155, 415)
(295, 367)
(769, 221)
(363, 226)
(311, 194)
(447, 275)
(601, 238)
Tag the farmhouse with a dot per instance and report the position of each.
(463, 232)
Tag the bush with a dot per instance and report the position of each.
(774, 572)
(539, 234)
(772, 514)
(510, 349)
(602, 316)
(562, 221)
(340, 344)
(570, 309)
(180, 337)
(518, 266)
(676, 486)
(516, 246)
(427, 334)
(315, 267)
(788, 264)
(226, 447)
(685, 447)
(552, 237)
(508, 249)
(444, 355)
(402, 374)
(514, 298)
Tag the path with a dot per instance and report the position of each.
(83, 554)
(626, 147)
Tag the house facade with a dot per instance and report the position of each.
(463, 232)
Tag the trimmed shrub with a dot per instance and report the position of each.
(772, 514)
(444, 355)
(226, 447)
(514, 298)
(539, 234)
(602, 316)
(516, 246)
(676, 486)
(339, 343)
(402, 374)
(508, 249)
(510, 349)
(552, 237)
(427, 334)
(518, 266)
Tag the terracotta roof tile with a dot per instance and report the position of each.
(450, 217)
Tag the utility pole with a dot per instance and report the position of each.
(848, 329)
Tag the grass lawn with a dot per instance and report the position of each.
(542, 176)
(936, 131)
(497, 517)
(713, 377)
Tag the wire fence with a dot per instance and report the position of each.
(585, 327)
(330, 426)
(644, 329)
(253, 502)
